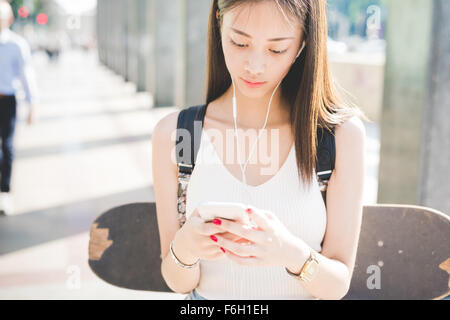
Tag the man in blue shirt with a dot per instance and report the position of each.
(15, 63)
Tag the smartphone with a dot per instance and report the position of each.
(210, 210)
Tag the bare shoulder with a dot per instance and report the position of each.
(351, 131)
(165, 127)
(350, 140)
(163, 137)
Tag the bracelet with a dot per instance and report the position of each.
(178, 262)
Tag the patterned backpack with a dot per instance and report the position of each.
(190, 124)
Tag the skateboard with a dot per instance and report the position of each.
(403, 252)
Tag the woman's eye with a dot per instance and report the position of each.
(237, 44)
(278, 52)
(243, 45)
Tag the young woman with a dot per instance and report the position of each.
(271, 55)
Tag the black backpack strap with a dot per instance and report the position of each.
(189, 127)
(325, 159)
(189, 130)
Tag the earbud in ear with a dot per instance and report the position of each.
(300, 51)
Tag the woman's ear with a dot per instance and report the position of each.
(217, 14)
(301, 50)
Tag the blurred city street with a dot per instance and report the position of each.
(98, 75)
(89, 151)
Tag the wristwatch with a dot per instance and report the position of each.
(309, 269)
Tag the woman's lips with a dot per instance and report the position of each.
(253, 84)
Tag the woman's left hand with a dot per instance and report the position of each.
(271, 244)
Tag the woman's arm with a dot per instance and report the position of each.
(272, 244)
(165, 173)
(344, 215)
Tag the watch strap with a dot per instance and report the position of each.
(303, 275)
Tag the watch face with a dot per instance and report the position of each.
(311, 269)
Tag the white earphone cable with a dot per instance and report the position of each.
(259, 134)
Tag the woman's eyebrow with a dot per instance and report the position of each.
(249, 36)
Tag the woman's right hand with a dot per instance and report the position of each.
(195, 240)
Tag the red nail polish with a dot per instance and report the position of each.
(249, 210)
(213, 238)
(222, 249)
(217, 222)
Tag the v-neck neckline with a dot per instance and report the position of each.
(251, 187)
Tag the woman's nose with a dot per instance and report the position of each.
(255, 64)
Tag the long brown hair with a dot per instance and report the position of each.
(308, 87)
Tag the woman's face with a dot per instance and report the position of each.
(259, 45)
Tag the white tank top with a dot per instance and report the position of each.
(302, 211)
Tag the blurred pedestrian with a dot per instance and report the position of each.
(15, 63)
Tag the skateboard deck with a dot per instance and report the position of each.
(403, 252)
(124, 248)
(406, 249)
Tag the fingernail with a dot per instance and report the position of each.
(249, 210)
(217, 222)
(222, 249)
(213, 238)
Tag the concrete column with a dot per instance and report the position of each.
(103, 13)
(191, 52)
(111, 46)
(415, 131)
(180, 60)
(434, 184)
(108, 35)
(123, 39)
(118, 37)
(132, 22)
(149, 45)
(143, 43)
(115, 35)
(195, 38)
(164, 21)
(100, 31)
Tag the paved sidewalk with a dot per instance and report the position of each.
(89, 151)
